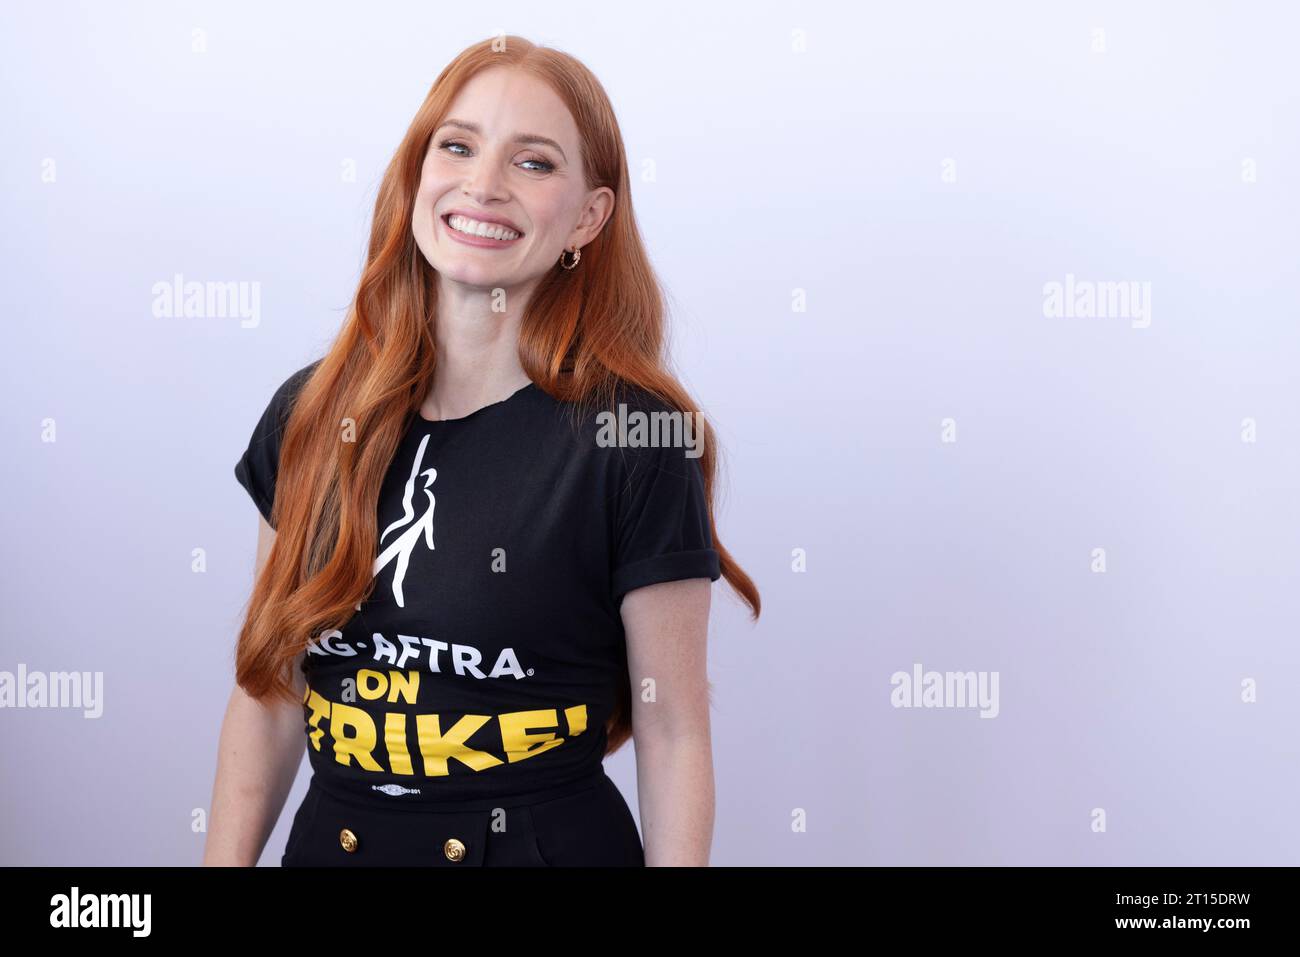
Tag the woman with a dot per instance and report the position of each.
(474, 508)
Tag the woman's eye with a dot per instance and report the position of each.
(452, 145)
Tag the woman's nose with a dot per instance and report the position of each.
(484, 182)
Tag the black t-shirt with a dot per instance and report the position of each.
(490, 653)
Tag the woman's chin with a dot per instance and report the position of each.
(474, 276)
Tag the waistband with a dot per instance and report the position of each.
(359, 793)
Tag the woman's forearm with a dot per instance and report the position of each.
(258, 756)
(675, 793)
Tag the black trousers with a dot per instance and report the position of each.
(585, 825)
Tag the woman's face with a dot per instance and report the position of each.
(507, 153)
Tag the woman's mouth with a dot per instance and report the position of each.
(477, 233)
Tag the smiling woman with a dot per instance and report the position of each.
(500, 183)
(478, 499)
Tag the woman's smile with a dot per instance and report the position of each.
(475, 232)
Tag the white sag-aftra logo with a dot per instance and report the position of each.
(416, 528)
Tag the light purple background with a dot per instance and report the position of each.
(776, 171)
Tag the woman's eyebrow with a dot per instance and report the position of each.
(525, 138)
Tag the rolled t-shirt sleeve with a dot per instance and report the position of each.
(663, 523)
(257, 468)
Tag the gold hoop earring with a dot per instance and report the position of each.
(577, 254)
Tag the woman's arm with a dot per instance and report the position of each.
(258, 756)
(667, 636)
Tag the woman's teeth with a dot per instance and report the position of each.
(463, 224)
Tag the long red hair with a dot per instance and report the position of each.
(585, 332)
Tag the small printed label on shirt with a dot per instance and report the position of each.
(394, 790)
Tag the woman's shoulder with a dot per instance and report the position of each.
(289, 389)
(280, 405)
